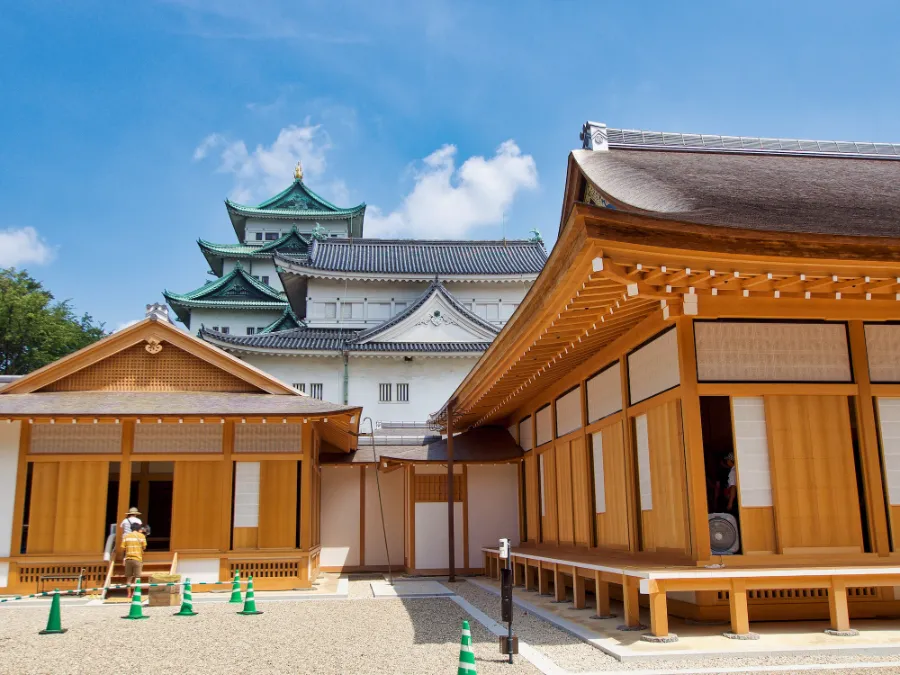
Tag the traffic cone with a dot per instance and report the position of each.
(187, 602)
(54, 622)
(466, 655)
(136, 611)
(250, 600)
(236, 589)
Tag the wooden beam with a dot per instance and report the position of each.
(227, 481)
(559, 585)
(876, 508)
(362, 514)
(306, 469)
(122, 498)
(578, 590)
(630, 602)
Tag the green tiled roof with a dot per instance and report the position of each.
(235, 290)
(287, 321)
(297, 202)
(293, 243)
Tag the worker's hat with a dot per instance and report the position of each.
(133, 511)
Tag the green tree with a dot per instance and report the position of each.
(35, 328)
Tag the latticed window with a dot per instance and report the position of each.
(251, 330)
(315, 390)
(265, 279)
(402, 392)
(384, 393)
(225, 330)
(299, 386)
(272, 236)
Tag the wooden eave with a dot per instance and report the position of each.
(611, 270)
(146, 331)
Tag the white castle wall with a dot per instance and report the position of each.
(338, 228)
(237, 322)
(325, 370)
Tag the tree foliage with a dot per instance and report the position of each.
(35, 328)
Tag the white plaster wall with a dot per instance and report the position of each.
(493, 492)
(254, 225)
(199, 569)
(327, 370)
(9, 462)
(604, 393)
(392, 495)
(654, 367)
(645, 480)
(543, 428)
(432, 551)
(340, 517)
(246, 494)
(256, 268)
(752, 450)
(568, 412)
(4, 574)
(431, 381)
(237, 321)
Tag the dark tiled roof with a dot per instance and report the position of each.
(90, 403)
(482, 444)
(333, 339)
(433, 287)
(386, 256)
(769, 192)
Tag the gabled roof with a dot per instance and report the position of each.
(151, 331)
(297, 202)
(434, 288)
(235, 290)
(294, 243)
(286, 321)
(420, 259)
(763, 184)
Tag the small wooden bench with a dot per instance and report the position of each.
(63, 577)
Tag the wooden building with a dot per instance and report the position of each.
(707, 296)
(221, 458)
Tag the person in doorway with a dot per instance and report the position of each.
(731, 490)
(132, 521)
(133, 544)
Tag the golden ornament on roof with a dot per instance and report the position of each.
(298, 172)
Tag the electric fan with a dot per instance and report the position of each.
(724, 537)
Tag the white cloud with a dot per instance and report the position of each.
(268, 169)
(23, 246)
(449, 203)
(125, 324)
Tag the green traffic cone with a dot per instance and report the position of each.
(54, 622)
(250, 600)
(187, 602)
(136, 611)
(466, 655)
(236, 589)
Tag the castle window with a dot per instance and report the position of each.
(225, 330)
(300, 386)
(264, 279)
(251, 330)
(259, 236)
(384, 393)
(272, 236)
(402, 392)
(315, 390)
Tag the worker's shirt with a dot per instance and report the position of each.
(134, 544)
(128, 523)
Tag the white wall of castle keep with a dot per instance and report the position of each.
(325, 370)
(338, 228)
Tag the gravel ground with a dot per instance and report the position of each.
(570, 653)
(315, 636)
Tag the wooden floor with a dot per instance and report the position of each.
(539, 568)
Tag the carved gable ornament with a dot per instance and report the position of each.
(437, 318)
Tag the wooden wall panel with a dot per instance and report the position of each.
(549, 530)
(581, 492)
(813, 472)
(81, 507)
(612, 526)
(758, 530)
(278, 504)
(532, 501)
(666, 526)
(197, 501)
(42, 506)
(245, 537)
(566, 533)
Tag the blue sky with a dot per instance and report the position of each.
(125, 124)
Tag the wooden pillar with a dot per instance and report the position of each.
(124, 477)
(451, 553)
(695, 469)
(868, 441)
(227, 481)
(578, 597)
(632, 494)
(306, 469)
(542, 579)
(659, 613)
(838, 612)
(601, 595)
(411, 505)
(559, 585)
(737, 605)
(630, 601)
(517, 576)
(362, 514)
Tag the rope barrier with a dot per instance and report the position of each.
(83, 591)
